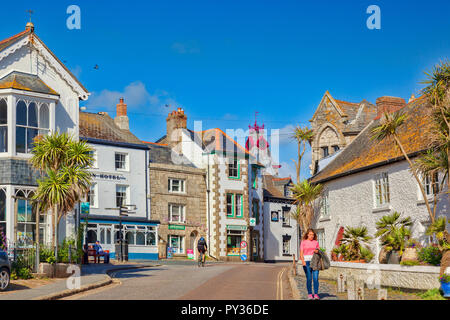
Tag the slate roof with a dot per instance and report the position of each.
(364, 153)
(101, 126)
(270, 184)
(161, 153)
(24, 81)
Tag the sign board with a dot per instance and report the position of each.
(169, 253)
(190, 254)
(252, 222)
(84, 207)
(176, 227)
(239, 228)
(243, 252)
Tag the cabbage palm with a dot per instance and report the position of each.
(388, 128)
(388, 223)
(396, 239)
(305, 194)
(438, 94)
(302, 136)
(64, 163)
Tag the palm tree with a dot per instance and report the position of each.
(388, 128)
(302, 136)
(439, 229)
(388, 223)
(305, 194)
(63, 161)
(438, 93)
(354, 239)
(396, 239)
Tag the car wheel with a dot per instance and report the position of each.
(4, 279)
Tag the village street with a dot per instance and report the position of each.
(188, 282)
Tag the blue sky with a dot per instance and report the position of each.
(223, 60)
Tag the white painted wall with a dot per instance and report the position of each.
(352, 202)
(274, 231)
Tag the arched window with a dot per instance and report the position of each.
(140, 239)
(31, 121)
(3, 126)
(130, 237)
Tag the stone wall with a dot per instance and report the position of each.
(193, 199)
(387, 275)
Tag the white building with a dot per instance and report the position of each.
(38, 94)
(281, 232)
(121, 177)
(368, 180)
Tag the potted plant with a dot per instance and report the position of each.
(354, 240)
(339, 253)
(445, 284)
(393, 231)
(410, 254)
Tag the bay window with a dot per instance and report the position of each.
(3, 126)
(31, 120)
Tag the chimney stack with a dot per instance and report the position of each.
(389, 105)
(121, 119)
(176, 121)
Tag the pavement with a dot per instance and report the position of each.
(92, 276)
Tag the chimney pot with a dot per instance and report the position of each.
(121, 119)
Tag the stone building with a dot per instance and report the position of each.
(38, 95)
(234, 196)
(335, 124)
(177, 195)
(369, 179)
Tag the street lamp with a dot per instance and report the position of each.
(124, 210)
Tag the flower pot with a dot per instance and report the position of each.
(410, 254)
(47, 269)
(382, 258)
(393, 257)
(445, 286)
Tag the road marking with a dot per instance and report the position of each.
(279, 295)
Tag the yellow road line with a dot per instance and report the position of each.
(279, 295)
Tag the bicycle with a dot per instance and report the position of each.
(201, 262)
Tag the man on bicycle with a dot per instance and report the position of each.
(201, 247)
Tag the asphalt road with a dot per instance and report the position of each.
(254, 281)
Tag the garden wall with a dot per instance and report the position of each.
(388, 275)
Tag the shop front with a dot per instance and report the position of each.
(235, 235)
(140, 235)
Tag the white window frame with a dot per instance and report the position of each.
(126, 161)
(321, 238)
(127, 194)
(381, 190)
(325, 205)
(182, 213)
(94, 187)
(288, 240)
(182, 185)
(428, 186)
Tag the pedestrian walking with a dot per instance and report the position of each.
(308, 247)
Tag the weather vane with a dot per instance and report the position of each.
(30, 12)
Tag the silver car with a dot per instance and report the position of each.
(5, 270)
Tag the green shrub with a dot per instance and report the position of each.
(432, 294)
(366, 254)
(63, 252)
(20, 270)
(47, 255)
(431, 255)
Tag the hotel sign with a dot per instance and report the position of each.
(108, 177)
(238, 228)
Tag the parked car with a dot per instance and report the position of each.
(5, 270)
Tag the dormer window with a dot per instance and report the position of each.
(32, 119)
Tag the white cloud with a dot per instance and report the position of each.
(288, 170)
(135, 95)
(189, 47)
(286, 134)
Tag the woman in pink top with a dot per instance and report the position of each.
(308, 247)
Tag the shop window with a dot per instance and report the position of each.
(3, 126)
(234, 239)
(176, 243)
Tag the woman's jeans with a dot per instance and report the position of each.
(311, 276)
